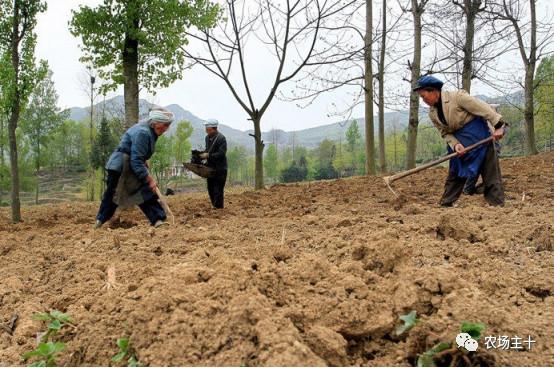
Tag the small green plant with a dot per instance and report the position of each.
(46, 352)
(410, 320)
(444, 349)
(55, 321)
(126, 351)
(473, 329)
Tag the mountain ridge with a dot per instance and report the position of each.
(308, 137)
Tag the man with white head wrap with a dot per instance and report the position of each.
(136, 146)
(215, 156)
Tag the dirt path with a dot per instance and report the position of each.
(309, 274)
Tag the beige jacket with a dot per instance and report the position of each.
(459, 109)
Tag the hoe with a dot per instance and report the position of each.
(392, 178)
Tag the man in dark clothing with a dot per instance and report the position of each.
(128, 164)
(215, 156)
(462, 121)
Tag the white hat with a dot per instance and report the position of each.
(161, 116)
(211, 123)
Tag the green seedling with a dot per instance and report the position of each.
(46, 352)
(410, 320)
(55, 321)
(442, 349)
(126, 351)
(473, 329)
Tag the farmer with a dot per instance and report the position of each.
(129, 181)
(462, 120)
(215, 157)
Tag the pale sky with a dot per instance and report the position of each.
(199, 92)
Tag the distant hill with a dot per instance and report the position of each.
(309, 138)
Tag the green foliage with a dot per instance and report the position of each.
(298, 171)
(353, 136)
(426, 359)
(55, 321)
(544, 98)
(125, 351)
(271, 162)
(473, 329)
(241, 169)
(18, 84)
(104, 144)
(410, 320)
(182, 143)
(159, 28)
(162, 160)
(46, 353)
(46, 350)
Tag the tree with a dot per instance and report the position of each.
(325, 156)
(161, 160)
(545, 100)
(271, 162)
(289, 29)
(103, 146)
(353, 138)
(18, 74)
(182, 145)
(40, 119)
(533, 40)
(381, 79)
(417, 9)
(138, 42)
(298, 171)
(368, 90)
(238, 163)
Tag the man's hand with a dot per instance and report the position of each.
(204, 155)
(498, 133)
(460, 149)
(151, 183)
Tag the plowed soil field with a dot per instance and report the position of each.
(306, 274)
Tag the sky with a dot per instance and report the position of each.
(200, 92)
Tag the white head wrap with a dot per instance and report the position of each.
(211, 123)
(161, 116)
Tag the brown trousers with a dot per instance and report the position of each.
(492, 182)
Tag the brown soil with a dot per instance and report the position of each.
(309, 274)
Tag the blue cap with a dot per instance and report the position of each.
(428, 81)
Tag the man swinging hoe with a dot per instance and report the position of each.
(464, 120)
(470, 128)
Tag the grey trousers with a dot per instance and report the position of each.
(492, 182)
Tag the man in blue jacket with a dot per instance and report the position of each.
(137, 146)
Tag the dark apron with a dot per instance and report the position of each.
(130, 190)
(469, 165)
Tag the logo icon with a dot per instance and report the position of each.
(466, 341)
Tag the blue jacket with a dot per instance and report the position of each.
(139, 143)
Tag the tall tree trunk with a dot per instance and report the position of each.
(37, 169)
(130, 81)
(368, 82)
(528, 111)
(14, 116)
(91, 137)
(382, 158)
(471, 9)
(530, 67)
(259, 154)
(413, 120)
